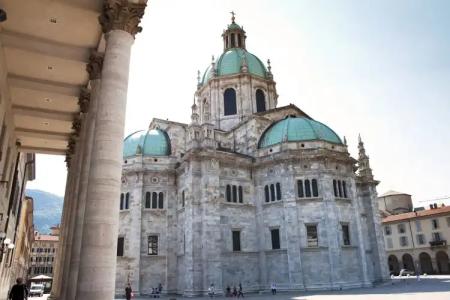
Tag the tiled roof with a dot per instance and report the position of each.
(46, 237)
(418, 214)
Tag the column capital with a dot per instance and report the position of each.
(122, 15)
(95, 65)
(84, 100)
(76, 125)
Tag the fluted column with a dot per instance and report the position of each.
(94, 69)
(97, 268)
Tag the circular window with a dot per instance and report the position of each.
(155, 179)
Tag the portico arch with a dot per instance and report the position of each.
(425, 263)
(408, 262)
(393, 264)
(442, 262)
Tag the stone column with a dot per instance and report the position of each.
(89, 107)
(71, 159)
(97, 269)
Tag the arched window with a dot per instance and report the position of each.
(241, 196)
(148, 200)
(234, 194)
(300, 192)
(183, 198)
(266, 193)
(239, 40)
(121, 201)
(344, 189)
(260, 101)
(335, 188)
(154, 200)
(229, 102)
(233, 42)
(307, 188)
(228, 193)
(127, 201)
(161, 200)
(272, 192)
(278, 187)
(315, 189)
(340, 188)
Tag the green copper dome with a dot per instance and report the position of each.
(296, 129)
(153, 142)
(232, 61)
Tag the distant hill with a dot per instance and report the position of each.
(47, 209)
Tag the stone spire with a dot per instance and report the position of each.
(364, 170)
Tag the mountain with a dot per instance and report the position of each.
(47, 209)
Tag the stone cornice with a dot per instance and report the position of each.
(95, 65)
(122, 15)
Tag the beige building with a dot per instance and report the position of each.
(417, 241)
(45, 248)
(25, 237)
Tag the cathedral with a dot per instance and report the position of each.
(247, 192)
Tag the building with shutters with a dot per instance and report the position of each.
(43, 253)
(247, 192)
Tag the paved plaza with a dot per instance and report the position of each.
(430, 287)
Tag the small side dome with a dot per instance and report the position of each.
(297, 129)
(153, 142)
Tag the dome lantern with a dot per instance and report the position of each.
(234, 36)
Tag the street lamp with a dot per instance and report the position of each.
(5, 244)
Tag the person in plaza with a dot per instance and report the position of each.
(211, 290)
(19, 291)
(273, 286)
(234, 291)
(228, 291)
(128, 291)
(240, 293)
(160, 287)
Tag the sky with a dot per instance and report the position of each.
(376, 68)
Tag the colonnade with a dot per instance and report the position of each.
(86, 262)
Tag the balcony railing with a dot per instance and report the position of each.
(438, 243)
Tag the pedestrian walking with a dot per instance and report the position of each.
(211, 290)
(240, 293)
(19, 291)
(273, 286)
(128, 291)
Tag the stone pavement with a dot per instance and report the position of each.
(437, 287)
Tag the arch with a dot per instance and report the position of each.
(315, 188)
(239, 40)
(228, 193)
(408, 262)
(442, 262)
(425, 263)
(161, 200)
(260, 101)
(394, 267)
(344, 189)
(233, 41)
(229, 102)
(121, 201)
(278, 188)
(272, 192)
(307, 189)
(183, 198)
(340, 188)
(266, 193)
(241, 194)
(335, 188)
(154, 200)
(300, 192)
(234, 194)
(148, 201)
(127, 201)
